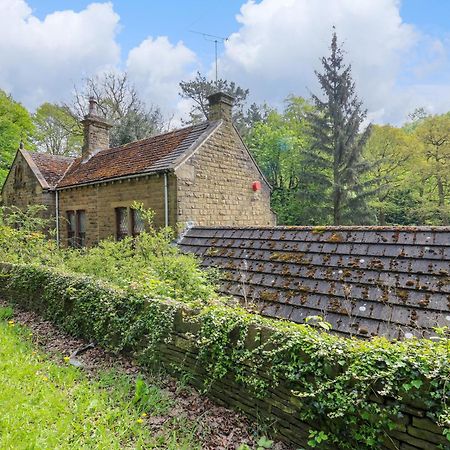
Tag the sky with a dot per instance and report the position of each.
(399, 50)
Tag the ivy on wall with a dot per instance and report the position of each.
(351, 393)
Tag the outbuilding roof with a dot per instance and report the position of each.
(365, 281)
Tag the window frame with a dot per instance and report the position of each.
(133, 213)
(119, 234)
(75, 237)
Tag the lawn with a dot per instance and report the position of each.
(44, 404)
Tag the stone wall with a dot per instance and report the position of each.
(215, 184)
(280, 408)
(22, 189)
(85, 305)
(100, 200)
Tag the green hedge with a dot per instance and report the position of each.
(348, 393)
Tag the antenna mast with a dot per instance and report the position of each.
(216, 40)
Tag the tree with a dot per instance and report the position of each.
(434, 133)
(119, 101)
(277, 143)
(200, 88)
(333, 167)
(58, 132)
(15, 126)
(392, 154)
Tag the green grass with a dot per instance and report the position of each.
(44, 405)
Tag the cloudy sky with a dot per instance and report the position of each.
(399, 50)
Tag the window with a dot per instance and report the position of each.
(81, 228)
(121, 223)
(71, 228)
(76, 228)
(137, 222)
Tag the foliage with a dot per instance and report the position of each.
(278, 145)
(434, 133)
(46, 405)
(351, 390)
(200, 88)
(119, 101)
(15, 126)
(149, 263)
(333, 166)
(58, 132)
(392, 154)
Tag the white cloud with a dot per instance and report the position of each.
(42, 59)
(278, 45)
(156, 67)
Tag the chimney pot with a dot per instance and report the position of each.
(93, 105)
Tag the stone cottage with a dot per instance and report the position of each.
(201, 174)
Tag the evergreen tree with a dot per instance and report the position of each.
(333, 168)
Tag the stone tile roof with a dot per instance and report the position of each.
(155, 154)
(51, 167)
(365, 281)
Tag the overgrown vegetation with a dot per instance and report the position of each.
(351, 392)
(49, 405)
(150, 263)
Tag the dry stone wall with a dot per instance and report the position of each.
(82, 304)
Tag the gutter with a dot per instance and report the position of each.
(109, 180)
(57, 218)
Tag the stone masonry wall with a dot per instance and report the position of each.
(280, 408)
(179, 351)
(100, 200)
(215, 184)
(22, 189)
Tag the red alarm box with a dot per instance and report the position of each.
(256, 186)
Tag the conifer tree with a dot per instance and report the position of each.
(333, 169)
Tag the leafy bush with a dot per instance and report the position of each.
(149, 263)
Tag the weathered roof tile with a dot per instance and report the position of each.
(365, 281)
(155, 154)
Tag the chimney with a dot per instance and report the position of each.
(220, 107)
(96, 131)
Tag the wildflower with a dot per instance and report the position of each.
(139, 421)
(144, 415)
(66, 358)
(45, 378)
(11, 323)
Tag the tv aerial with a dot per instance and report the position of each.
(216, 40)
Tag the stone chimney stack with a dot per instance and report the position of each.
(96, 131)
(220, 107)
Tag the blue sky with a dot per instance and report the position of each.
(399, 50)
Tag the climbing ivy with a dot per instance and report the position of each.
(350, 391)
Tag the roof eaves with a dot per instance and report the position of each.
(253, 159)
(35, 169)
(212, 127)
(108, 180)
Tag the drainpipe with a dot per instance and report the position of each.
(57, 218)
(166, 200)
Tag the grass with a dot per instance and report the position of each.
(55, 406)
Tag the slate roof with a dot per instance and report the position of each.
(155, 154)
(365, 281)
(48, 168)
